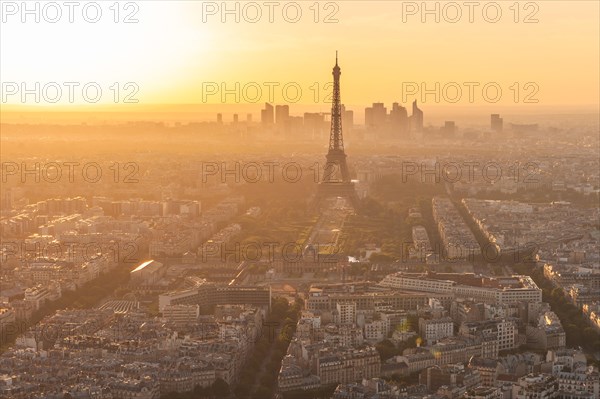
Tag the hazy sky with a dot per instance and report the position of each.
(181, 52)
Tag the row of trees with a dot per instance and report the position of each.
(285, 219)
(379, 225)
(87, 296)
(383, 217)
(578, 330)
(258, 378)
(325, 392)
(387, 349)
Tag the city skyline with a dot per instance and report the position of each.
(299, 200)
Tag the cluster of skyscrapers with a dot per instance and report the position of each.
(377, 119)
(397, 121)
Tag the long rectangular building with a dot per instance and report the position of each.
(490, 290)
(327, 297)
(208, 295)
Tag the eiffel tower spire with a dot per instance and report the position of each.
(336, 140)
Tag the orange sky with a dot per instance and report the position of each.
(171, 56)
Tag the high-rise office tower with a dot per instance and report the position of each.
(416, 119)
(314, 123)
(496, 123)
(398, 119)
(347, 118)
(282, 112)
(267, 116)
(375, 116)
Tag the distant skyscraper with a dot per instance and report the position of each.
(416, 119)
(375, 116)
(449, 128)
(282, 113)
(347, 118)
(398, 119)
(249, 118)
(267, 115)
(235, 118)
(219, 118)
(368, 117)
(496, 123)
(314, 123)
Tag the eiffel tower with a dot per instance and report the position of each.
(336, 177)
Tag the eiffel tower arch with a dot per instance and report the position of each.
(336, 180)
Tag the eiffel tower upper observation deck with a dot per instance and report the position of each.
(336, 177)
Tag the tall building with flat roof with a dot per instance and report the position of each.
(347, 118)
(267, 116)
(496, 123)
(375, 116)
(282, 113)
(416, 119)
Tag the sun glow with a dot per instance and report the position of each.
(176, 46)
(105, 53)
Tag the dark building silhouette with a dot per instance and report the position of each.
(347, 118)
(219, 118)
(375, 116)
(416, 119)
(398, 119)
(282, 113)
(267, 116)
(394, 124)
(496, 123)
(449, 128)
(282, 116)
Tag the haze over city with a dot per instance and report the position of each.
(295, 200)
